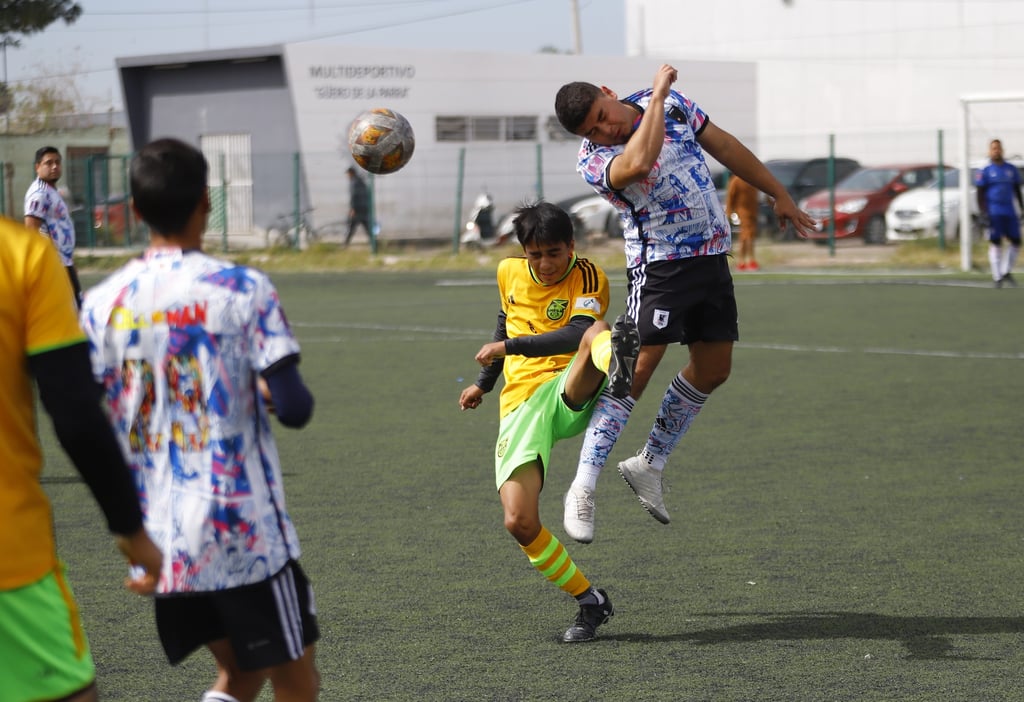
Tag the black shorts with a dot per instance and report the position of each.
(268, 623)
(684, 301)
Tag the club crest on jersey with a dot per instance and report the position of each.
(660, 320)
(557, 308)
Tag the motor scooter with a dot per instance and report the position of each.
(480, 232)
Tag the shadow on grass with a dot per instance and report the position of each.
(925, 638)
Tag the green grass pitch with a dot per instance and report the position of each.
(846, 513)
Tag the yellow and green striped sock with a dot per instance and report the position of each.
(549, 556)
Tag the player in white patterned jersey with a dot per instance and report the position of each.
(46, 211)
(645, 155)
(192, 352)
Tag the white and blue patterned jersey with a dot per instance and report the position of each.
(674, 212)
(1001, 182)
(177, 340)
(44, 202)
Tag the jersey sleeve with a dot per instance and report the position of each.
(272, 339)
(52, 318)
(591, 295)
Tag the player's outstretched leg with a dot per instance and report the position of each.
(625, 349)
(646, 482)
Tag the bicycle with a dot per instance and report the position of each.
(282, 232)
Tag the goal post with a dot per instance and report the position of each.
(966, 101)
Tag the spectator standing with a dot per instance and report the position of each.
(46, 211)
(741, 205)
(358, 206)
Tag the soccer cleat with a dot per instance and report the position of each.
(625, 349)
(752, 266)
(579, 514)
(587, 620)
(646, 483)
(1008, 279)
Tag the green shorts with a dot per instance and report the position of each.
(530, 430)
(43, 646)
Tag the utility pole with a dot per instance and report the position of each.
(577, 39)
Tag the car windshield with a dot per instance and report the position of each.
(950, 180)
(784, 171)
(868, 179)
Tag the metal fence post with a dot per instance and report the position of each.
(296, 197)
(460, 178)
(90, 199)
(831, 194)
(540, 172)
(942, 196)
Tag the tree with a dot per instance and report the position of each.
(25, 17)
(44, 106)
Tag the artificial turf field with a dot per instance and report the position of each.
(846, 513)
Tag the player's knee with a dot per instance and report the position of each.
(524, 528)
(592, 331)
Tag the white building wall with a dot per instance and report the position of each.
(331, 84)
(883, 76)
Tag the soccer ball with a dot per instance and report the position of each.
(381, 140)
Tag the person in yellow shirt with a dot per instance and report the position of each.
(557, 354)
(43, 647)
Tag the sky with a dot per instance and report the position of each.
(108, 29)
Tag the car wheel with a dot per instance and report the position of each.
(874, 233)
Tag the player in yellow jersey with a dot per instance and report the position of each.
(44, 650)
(557, 354)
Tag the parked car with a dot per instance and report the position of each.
(111, 217)
(592, 214)
(800, 177)
(862, 198)
(915, 214)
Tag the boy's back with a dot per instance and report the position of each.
(179, 338)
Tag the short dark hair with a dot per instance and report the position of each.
(168, 181)
(542, 223)
(41, 153)
(573, 103)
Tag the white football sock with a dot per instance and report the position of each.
(993, 261)
(1010, 260)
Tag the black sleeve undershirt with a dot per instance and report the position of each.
(552, 343)
(293, 403)
(72, 399)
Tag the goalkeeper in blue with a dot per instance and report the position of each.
(557, 354)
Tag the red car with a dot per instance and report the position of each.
(862, 198)
(110, 219)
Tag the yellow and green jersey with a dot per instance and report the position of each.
(37, 314)
(532, 308)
